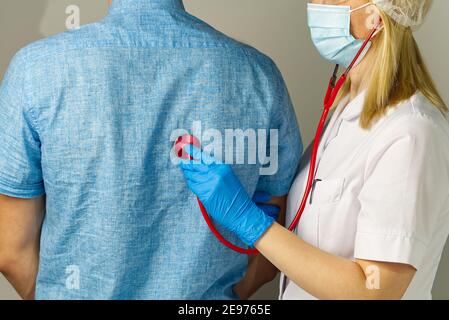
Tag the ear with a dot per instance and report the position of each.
(378, 22)
(374, 19)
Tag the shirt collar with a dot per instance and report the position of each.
(352, 110)
(125, 6)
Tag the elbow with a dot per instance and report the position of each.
(20, 269)
(271, 275)
(2, 266)
(4, 259)
(7, 260)
(13, 258)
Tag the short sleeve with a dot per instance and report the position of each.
(20, 155)
(406, 186)
(285, 147)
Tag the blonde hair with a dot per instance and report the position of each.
(397, 73)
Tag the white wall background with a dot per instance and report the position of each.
(276, 27)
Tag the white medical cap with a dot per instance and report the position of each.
(409, 13)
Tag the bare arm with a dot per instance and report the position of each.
(326, 276)
(20, 225)
(260, 270)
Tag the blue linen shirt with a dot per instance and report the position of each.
(86, 118)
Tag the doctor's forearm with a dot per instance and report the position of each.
(321, 274)
(260, 270)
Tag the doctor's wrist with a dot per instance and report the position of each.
(254, 225)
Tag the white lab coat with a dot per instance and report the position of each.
(382, 194)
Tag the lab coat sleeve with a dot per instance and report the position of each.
(20, 154)
(284, 143)
(403, 194)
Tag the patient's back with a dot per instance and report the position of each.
(108, 100)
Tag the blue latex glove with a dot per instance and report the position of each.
(261, 198)
(224, 197)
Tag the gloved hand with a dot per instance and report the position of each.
(224, 197)
(261, 198)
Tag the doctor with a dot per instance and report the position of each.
(377, 219)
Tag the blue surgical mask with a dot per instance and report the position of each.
(330, 27)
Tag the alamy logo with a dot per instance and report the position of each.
(73, 20)
(72, 281)
(372, 277)
(236, 146)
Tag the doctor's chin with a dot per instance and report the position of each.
(176, 150)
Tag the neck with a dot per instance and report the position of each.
(360, 76)
(129, 5)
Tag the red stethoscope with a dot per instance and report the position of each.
(331, 94)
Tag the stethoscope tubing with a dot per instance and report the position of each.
(333, 89)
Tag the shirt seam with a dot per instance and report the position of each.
(23, 94)
(392, 234)
(23, 187)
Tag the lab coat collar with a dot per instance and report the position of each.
(126, 6)
(352, 110)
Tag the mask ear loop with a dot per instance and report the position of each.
(361, 7)
(370, 37)
(379, 27)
